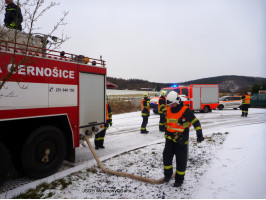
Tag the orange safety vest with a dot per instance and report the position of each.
(107, 114)
(142, 106)
(159, 105)
(172, 120)
(246, 100)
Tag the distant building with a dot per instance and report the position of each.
(110, 85)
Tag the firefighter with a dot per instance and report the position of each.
(99, 137)
(13, 16)
(178, 120)
(145, 112)
(162, 110)
(245, 104)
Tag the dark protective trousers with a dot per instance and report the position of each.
(99, 137)
(162, 122)
(144, 123)
(181, 152)
(245, 109)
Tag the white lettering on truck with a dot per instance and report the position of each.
(40, 71)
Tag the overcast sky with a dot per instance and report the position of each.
(167, 40)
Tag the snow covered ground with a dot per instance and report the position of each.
(230, 163)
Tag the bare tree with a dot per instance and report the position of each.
(27, 42)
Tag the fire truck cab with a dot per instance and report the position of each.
(47, 103)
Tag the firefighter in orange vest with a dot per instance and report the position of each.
(245, 104)
(145, 112)
(178, 120)
(99, 137)
(162, 110)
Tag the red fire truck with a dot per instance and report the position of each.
(198, 97)
(44, 107)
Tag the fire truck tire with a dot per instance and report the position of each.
(220, 107)
(205, 109)
(43, 152)
(5, 163)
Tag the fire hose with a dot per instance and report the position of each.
(132, 176)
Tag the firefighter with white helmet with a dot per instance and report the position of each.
(178, 120)
(162, 109)
(145, 112)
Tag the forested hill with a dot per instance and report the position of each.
(230, 83)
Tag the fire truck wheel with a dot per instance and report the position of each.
(5, 164)
(205, 109)
(43, 152)
(220, 107)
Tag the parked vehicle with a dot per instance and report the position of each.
(198, 97)
(229, 102)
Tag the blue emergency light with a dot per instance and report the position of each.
(174, 85)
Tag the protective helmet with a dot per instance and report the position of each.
(173, 97)
(163, 93)
(145, 94)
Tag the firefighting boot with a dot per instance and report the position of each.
(246, 114)
(144, 132)
(101, 144)
(243, 114)
(178, 180)
(178, 184)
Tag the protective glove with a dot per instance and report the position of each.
(200, 137)
(111, 123)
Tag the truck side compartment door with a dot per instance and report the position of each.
(91, 98)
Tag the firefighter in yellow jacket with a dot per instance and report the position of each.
(178, 120)
(99, 137)
(245, 104)
(145, 112)
(162, 110)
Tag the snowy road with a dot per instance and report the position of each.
(125, 135)
(129, 126)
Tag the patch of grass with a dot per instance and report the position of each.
(124, 104)
(34, 193)
(49, 195)
(37, 193)
(92, 170)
